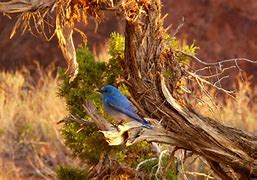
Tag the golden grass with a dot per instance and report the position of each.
(240, 112)
(30, 141)
(100, 52)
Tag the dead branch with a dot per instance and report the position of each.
(64, 32)
(114, 135)
(219, 63)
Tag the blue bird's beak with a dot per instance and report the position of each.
(99, 90)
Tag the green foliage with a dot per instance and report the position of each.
(25, 130)
(134, 154)
(168, 74)
(116, 51)
(124, 89)
(175, 44)
(68, 173)
(179, 61)
(117, 46)
(166, 166)
(149, 167)
(90, 78)
(89, 143)
(170, 175)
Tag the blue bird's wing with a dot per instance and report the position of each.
(123, 101)
(125, 107)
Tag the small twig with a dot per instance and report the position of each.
(160, 163)
(179, 27)
(199, 174)
(143, 162)
(152, 170)
(219, 80)
(213, 75)
(72, 118)
(219, 63)
(202, 81)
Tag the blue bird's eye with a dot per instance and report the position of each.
(108, 91)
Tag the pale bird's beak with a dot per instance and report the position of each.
(98, 90)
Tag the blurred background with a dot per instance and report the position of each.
(32, 146)
(221, 28)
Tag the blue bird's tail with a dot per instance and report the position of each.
(145, 123)
(138, 119)
(134, 116)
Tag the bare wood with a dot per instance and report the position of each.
(64, 32)
(101, 123)
(20, 6)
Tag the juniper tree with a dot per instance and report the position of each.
(156, 78)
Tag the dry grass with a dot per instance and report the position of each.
(31, 145)
(240, 112)
(100, 52)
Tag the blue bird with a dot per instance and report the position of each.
(119, 107)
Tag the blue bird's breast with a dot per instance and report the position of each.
(116, 115)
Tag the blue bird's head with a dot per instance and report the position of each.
(109, 90)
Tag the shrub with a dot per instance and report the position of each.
(68, 173)
(88, 143)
